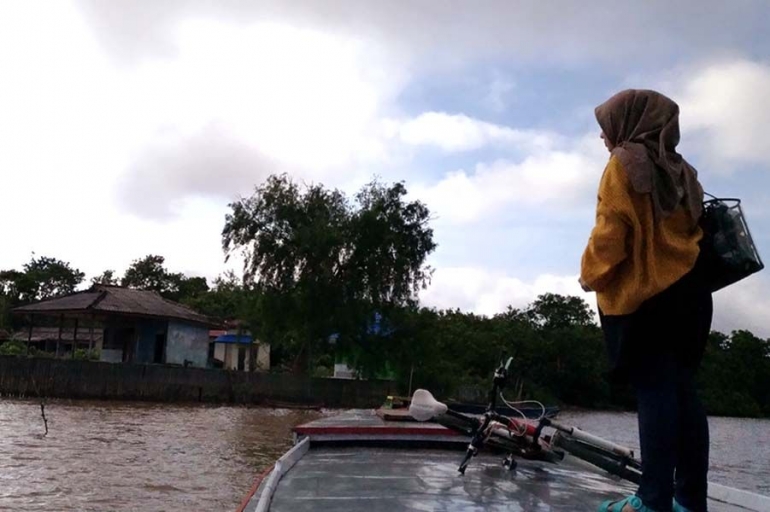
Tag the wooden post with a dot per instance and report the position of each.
(58, 340)
(91, 335)
(75, 337)
(29, 336)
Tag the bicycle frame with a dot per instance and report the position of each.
(524, 438)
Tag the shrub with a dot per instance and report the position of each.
(13, 348)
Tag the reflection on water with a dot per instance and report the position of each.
(135, 456)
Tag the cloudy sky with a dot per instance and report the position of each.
(126, 126)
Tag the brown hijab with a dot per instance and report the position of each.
(643, 128)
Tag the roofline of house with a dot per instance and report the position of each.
(90, 313)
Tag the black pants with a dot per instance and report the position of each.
(659, 348)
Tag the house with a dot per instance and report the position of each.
(54, 340)
(125, 325)
(235, 350)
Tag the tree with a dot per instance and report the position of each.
(41, 278)
(552, 311)
(107, 277)
(323, 264)
(52, 277)
(188, 288)
(227, 299)
(148, 273)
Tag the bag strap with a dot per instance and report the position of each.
(715, 199)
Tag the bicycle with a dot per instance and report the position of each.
(522, 437)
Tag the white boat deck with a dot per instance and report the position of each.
(353, 475)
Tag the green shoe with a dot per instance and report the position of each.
(617, 506)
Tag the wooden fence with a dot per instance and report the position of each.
(62, 378)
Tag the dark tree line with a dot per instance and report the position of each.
(330, 278)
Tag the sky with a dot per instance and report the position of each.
(127, 127)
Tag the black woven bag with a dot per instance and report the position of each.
(729, 251)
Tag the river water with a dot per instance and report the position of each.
(138, 456)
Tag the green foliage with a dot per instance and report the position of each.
(41, 278)
(34, 352)
(52, 277)
(323, 264)
(227, 299)
(735, 374)
(83, 354)
(559, 357)
(107, 277)
(13, 348)
(149, 273)
(558, 352)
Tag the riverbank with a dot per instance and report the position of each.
(61, 378)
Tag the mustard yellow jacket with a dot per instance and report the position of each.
(629, 257)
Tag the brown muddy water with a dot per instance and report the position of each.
(136, 456)
(152, 457)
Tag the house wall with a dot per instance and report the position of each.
(109, 353)
(147, 332)
(228, 354)
(187, 342)
(111, 356)
(144, 338)
(219, 351)
(263, 356)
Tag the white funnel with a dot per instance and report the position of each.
(424, 407)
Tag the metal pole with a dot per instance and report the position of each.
(411, 373)
(75, 337)
(58, 340)
(29, 336)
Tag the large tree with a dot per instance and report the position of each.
(106, 277)
(325, 264)
(41, 278)
(150, 273)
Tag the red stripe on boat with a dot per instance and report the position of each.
(254, 488)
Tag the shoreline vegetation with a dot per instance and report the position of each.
(330, 278)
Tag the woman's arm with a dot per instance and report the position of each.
(607, 246)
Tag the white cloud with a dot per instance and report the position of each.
(741, 306)
(744, 305)
(458, 132)
(726, 106)
(437, 33)
(559, 178)
(225, 107)
(230, 106)
(486, 292)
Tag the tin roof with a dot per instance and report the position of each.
(116, 300)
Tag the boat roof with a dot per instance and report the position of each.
(357, 462)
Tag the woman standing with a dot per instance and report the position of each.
(642, 260)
